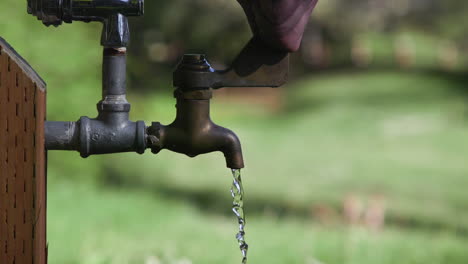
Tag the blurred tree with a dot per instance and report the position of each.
(334, 37)
(170, 28)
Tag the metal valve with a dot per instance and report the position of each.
(113, 13)
(54, 12)
(193, 132)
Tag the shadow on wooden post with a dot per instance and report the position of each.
(22, 161)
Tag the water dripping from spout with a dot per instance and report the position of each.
(237, 192)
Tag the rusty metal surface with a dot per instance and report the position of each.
(22, 161)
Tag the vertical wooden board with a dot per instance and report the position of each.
(22, 161)
(12, 254)
(27, 185)
(3, 205)
(19, 164)
(40, 176)
(10, 154)
(21, 149)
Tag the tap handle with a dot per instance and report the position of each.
(257, 65)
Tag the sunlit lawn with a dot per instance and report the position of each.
(401, 137)
(91, 226)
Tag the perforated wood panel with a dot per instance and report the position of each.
(22, 162)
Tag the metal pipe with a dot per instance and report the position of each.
(114, 71)
(193, 132)
(114, 81)
(94, 9)
(111, 131)
(111, 135)
(61, 135)
(54, 12)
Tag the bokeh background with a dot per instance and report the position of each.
(360, 159)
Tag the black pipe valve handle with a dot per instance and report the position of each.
(112, 13)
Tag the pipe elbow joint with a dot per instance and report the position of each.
(94, 136)
(100, 137)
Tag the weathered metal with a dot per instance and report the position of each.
(22, 161)
(54, 12)
(112, 13)
(111, 131)
(193, 133)
(257, 65)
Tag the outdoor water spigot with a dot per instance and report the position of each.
(193, 133)
(111, 131)
(112, 13)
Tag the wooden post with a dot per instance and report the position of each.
(22, 161)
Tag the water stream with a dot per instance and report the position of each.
(237, 192)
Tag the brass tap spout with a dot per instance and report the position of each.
(193, 132)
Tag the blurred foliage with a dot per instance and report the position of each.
(442, 18)
(60, 55)
(171, 28)
(415, 33)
